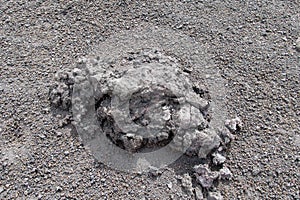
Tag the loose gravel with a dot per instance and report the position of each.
(254, 44)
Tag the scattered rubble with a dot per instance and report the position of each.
(65, 121)
(226, 135)
(61, 92)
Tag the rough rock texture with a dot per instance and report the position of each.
(198, 193)
(205, 176)
(150, 107)
(218, 158)
(186, 182)
(234, 124)
(298, 44)
(225, 173)
(214, 196)
(147, 106)
(60, 93)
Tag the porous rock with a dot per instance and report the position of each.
(205, 176)
(198, 193)
(234, 125)
(214, 196)
(218, 159)
(186, 182)
(225, 173)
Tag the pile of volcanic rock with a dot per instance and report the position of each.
(205, 142)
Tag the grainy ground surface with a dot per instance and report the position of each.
(253, 44)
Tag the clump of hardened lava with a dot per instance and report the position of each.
(158, 102)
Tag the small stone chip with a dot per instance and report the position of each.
(170, 185)
(1, 189)
(218, 159)
(214, 196)
(225, 173)
(198, 193)
(298, 44)
(234, 124)
(205, 176)
(187, 183)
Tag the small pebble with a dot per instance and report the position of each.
(255, 171)
(218, 159)
(170, 185)
(58, 189)
(1, 189)
(225, 173)
(103, 180)
(58, 134)
(298, 44)
(234, 124)
(214, 196)
(198, 193)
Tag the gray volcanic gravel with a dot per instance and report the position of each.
(255, 45)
